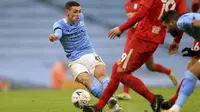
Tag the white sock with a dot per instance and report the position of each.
(175, 108)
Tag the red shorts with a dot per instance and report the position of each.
(136, 53)
(129, 36)
(196, 46)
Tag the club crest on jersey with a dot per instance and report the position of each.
(81, 23)
(156, 29)
(135, 6)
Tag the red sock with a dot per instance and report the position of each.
(173, 99)
(126, 89)
(109, 90)
(160, 68)
(136, 84)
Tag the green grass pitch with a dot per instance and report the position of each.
(60, 101)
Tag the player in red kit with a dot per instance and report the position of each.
(148, 35)
(131, 7)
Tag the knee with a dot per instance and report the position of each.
(100, 72)
(125, 78)
(150, 67)
(86, 81)
(123, 74)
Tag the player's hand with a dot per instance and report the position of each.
(114, 32)
(52, 37)
(189, 52)
(173, 48)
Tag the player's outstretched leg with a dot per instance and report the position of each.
(167, 104)
(187, 87)
(155, 67)
(107, 94)
(85, 79)
(100, 74)
(138, 86)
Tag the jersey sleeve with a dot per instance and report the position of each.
(147, 3)
(178, 38)
(181, 7)
(185, 21)
(57, 30)
(139, 15)
(56, 25)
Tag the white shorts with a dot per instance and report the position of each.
(86, 63)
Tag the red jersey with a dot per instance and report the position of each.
(150, 27)
(131, 6)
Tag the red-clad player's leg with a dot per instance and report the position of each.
(173, 99)
(136, 53)
(126, 89)
(125, 94)
(109, 90)
(155, 67)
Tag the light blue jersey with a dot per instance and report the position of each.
(185, 24)
(74, 38)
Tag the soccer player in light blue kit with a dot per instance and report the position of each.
(83, 60)
(190, 24)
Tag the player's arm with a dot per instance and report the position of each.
(57, 33)
(189, 21)
(181, 9)
(129, 15)
(145, 5)
(196, 23)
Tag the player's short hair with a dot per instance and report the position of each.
(69, 4)
(170, 15)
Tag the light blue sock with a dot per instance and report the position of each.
(105, 82)
(97, 92)
(187, 88)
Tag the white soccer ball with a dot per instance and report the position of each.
(80, 98)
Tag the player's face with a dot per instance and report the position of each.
(73, 13)
(171, 27)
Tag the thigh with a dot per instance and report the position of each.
(91, 61)
(84, 78)
(76, 69)
(100, 72)
(150, 62)
(192, 61)
(136, 53)
(195, 69)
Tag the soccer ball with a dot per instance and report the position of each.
(80, 98)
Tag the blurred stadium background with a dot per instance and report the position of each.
(27, 58)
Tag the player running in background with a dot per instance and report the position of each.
(83, 60)
(148, 35)
(131, 7)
